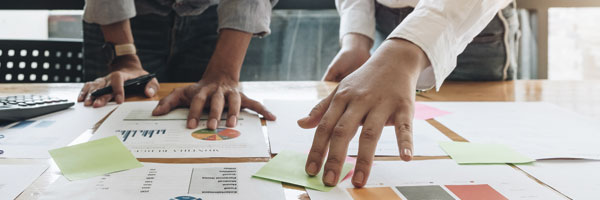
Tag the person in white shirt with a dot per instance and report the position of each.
(419, 54)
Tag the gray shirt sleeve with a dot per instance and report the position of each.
(105, 12)
(253, 16)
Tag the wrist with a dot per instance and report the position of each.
(221, 74)
(126, 62)
(217, 69)
(411, 57)
(356, 42)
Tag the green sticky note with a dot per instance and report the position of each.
(288, 167)
(94, 158)
(477, 153)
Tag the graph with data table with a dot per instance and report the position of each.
(218, 181)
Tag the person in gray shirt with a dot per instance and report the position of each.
(203, 41)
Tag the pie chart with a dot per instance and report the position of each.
(214, 135)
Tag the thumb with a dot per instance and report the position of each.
(330, 75)
(315, 115)
(152, 88)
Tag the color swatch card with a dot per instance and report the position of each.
(288, 167)
(220, 181)
(166, 136)
(32, 138)
(438, 192)
(477, 153)
(94, 158)
(442, 180)
(285, 134)
(536, 129)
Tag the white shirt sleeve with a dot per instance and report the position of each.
(443, 28)
(356, 16)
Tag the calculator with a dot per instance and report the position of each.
(20, 107)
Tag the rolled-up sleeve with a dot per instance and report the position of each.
(443, 29)
(252, 16)
(105, 12)
(356, 16)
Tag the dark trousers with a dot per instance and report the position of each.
(176, 48)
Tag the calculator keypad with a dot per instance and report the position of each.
(29, 100)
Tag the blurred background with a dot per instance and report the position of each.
(559, 39)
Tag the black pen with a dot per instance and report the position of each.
(141, 80)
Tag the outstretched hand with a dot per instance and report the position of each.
(215, 94)
(380, 92)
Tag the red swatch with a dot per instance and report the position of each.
(475, 192)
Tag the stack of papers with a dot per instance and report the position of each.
(578, 179)
(499, 132)
(33, 138)
(17, 177)
(536, 129)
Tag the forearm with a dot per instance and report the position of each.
(118, 33)
(229, 54)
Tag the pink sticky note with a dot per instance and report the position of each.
(425, 112)
(353, 161)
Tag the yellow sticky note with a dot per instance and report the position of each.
(477, 153)
(94, 158)
(288, 167)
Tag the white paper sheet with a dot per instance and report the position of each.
(578, 179)
(16, 177)
(285, 134)
(509, 182)
(221, 181)
(168, 137)
(33, 138)
(536, 129)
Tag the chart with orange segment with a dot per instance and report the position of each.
(215, 135)
(168, 136)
